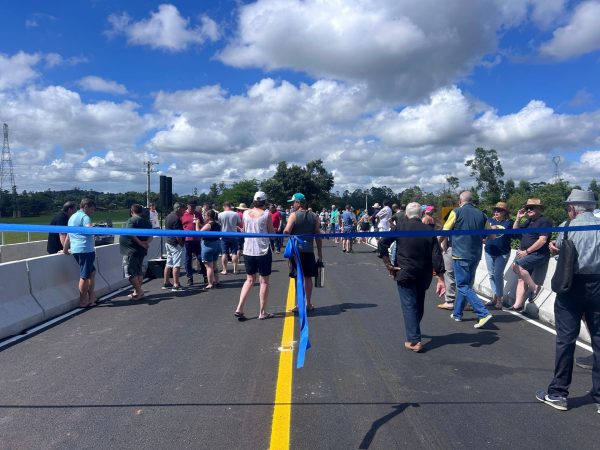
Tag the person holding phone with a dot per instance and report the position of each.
(533, 251)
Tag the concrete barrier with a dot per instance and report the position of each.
(54, 283)
(543, 307)
(18, 309)
(110, 266)
(23, 250)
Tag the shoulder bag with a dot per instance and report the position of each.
(562, 280)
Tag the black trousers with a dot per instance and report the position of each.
(193, 248)
(582, 301)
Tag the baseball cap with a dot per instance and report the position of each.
(297, 197)
(260, 196)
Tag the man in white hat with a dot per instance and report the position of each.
(582, 301)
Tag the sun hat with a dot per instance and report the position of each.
(376, 205)
(430, 208)
(501, 205)
(260, 196)
(297, 197)
(534, 202)
(581, 197)
(242, 206)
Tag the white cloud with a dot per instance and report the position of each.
(208, 135)
(166, 29)
(98, 84)
(399, 48)
(580, 36)
(17, 70)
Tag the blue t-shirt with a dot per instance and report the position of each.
(500, 245)
(81, 243)
(348, 219)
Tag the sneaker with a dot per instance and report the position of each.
(598, 408)
(553, 400)
(177, 288)
(585, 362)
(481, 322)
(455, 318)
(190, 281)
(167, 286)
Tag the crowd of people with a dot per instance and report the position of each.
(412, 261)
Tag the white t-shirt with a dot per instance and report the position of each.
(384, 216)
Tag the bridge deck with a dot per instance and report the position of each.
(174, 370)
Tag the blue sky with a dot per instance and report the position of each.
(389, 92)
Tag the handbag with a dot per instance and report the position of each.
(562, 280)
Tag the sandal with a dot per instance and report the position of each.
(239, 316)
(310, 308)
(266, 316)
(294, 310)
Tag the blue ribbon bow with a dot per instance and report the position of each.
(292, 250)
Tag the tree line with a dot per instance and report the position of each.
(316, 183)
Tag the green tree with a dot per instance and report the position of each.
(313, 180)
(488, 173)
(453, 182)
(239, 192)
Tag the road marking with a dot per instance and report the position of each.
(548, 329)
(538, 324)
(282, 411)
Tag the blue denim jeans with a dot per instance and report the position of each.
(464, 273)
(412, 299)
(495, 267)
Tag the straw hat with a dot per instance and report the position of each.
(242, 207)
(501, 205)
(534, 202)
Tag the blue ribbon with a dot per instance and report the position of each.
(292, 250)
(212, 234)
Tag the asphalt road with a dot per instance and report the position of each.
(175, 370)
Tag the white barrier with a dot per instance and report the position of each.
(543, 307)
(18, 309)
(21, 251)
(54, 283)
(110, 266)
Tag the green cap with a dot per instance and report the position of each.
(297, 197)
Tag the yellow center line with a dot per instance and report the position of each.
(280, 427)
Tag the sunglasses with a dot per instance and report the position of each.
(498, 210)
(531, 208)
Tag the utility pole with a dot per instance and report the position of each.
(149, 169)
(6, 172)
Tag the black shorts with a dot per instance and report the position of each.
(259, 264)
(309, 264)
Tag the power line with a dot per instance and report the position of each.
(7, 174)
(149, 169)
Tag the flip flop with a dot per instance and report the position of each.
(448, 308)
(239, 316)
(266, 316)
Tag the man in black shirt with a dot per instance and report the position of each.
(416, 260)
(174, 247)
(56, 240)
(533, 251)
(133, 249)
